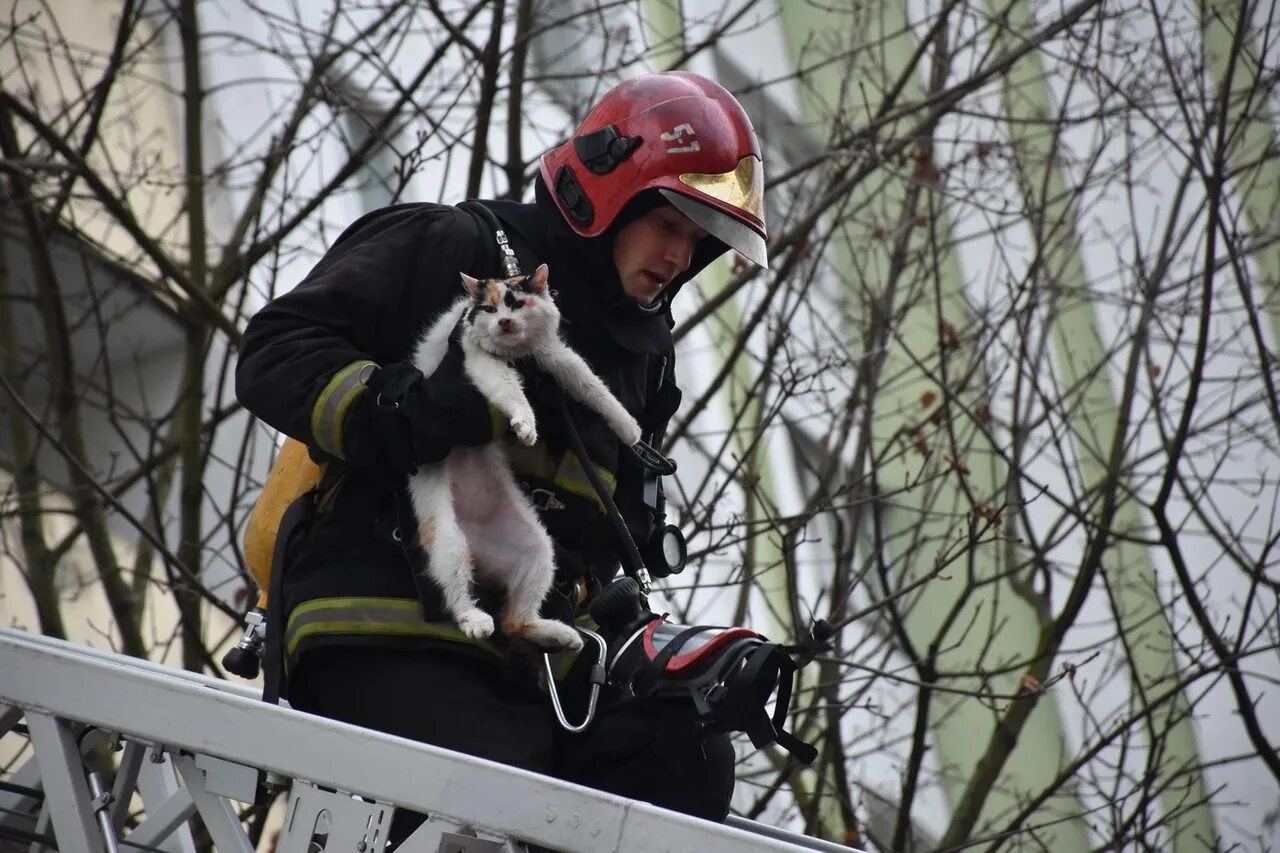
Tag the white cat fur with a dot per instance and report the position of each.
(472, 516)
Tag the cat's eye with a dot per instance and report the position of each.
(491, 309)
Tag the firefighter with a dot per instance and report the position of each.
(663, 176)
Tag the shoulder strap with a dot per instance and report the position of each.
(274, 670)
(511, 266)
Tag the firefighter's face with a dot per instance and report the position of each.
(651, 251)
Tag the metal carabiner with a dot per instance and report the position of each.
(597, 679)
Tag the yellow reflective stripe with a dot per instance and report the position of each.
(435, 630)
(372, 602)
(370, 616)
(531, 461)
(331, 406)
(567, 474)
(574, 475)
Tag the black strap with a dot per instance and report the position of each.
(300, 512)
(804, 752)
(632, 562)
(506, 255)
(775, 729)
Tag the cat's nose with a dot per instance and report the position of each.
(506, 324)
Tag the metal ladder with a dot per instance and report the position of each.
(192, 746)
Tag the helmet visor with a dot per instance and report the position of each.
(742, 189)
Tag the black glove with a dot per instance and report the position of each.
(406, 420)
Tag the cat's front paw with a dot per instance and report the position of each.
(525, 429)
(476, 624)
(629, 432)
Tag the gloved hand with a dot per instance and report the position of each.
(406, 420)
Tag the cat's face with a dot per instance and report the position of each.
(511, 316)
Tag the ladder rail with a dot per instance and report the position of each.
(114, 659)
(184, 713)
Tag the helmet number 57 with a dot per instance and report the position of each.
(676, 135)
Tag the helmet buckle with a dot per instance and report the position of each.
(605, 149)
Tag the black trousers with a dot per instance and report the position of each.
(462, 703)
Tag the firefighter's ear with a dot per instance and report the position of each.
(471, 284)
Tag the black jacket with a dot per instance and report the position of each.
(369, 298)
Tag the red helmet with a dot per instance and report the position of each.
(678, 133)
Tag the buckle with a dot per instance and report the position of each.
(545, 499)
(653, 460)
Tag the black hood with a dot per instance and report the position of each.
(590, 295)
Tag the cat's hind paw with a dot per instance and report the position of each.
(549, 634)
(476, 624)
(525, 429)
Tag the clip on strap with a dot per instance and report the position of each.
(597, 678)
(653, 460)
(510, 264)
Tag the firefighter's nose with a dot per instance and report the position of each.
(680, 253)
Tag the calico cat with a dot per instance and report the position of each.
(472, 516)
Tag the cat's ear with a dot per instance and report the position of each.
(471, 284)
(538, 281)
